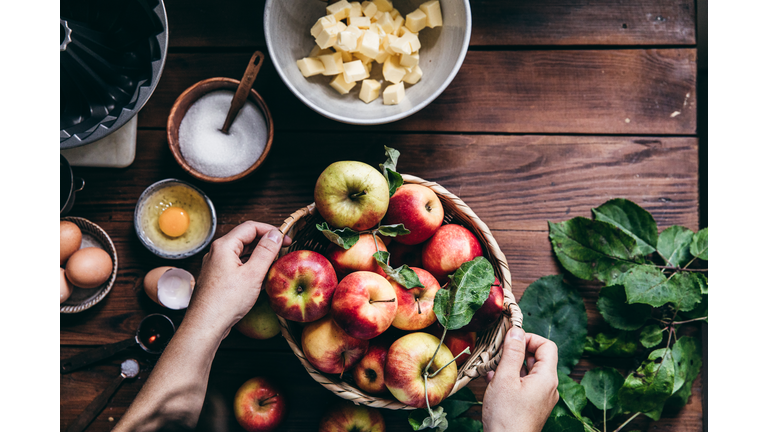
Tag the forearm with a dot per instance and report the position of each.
(175, 390)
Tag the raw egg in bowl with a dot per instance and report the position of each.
(174, 219)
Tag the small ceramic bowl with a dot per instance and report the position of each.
(189, 97)
(93, 236)
(286, 28)
(143, 237)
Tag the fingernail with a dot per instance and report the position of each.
(517, 333)
(275, 236)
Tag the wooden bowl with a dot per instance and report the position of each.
(189, 97)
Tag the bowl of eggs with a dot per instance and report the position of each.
(88, 262)
(174, 219)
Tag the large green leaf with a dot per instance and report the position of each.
(686, 353)
(674, 245)
(572, 393)
(613, 306)
(389, 169)
(602, 387)
(563, 423)
(555, 310)
(560, 409)
(633, 220)
(700, 244)
(647, 388)
(466, 292)
(700, 311)
(612, 344)
(651, 336)
(403, 275)
(593, 249)
(465, 424)
(346, 237)
(393, 230)
(647, 284)
(679, 399)
(459, 402)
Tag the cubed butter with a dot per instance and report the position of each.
(395, 13)
(414, 76)
(392, 70)
(346, 56)
(411, 38)
(376, 17)
(382, 56)
(327, 37)
(310, 66)
(383, 5)
(339, 10)
(369, 91)
(416, 20)
(355, 71)
(394, 93)
(341, 26)
(399, 45)
(409, 60)
(433, 12)
(397, 23)
(360, 22)
(332, 63)
(355, 10)
(317, 52)
(322, 23)
(347, 40)
(386, 23)
(362, 57)
(369, 44)
(369, 10)
(341, 85)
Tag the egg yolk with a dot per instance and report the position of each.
(173, 221)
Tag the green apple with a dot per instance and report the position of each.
(347, 417)
(352, 194)
(261, 322)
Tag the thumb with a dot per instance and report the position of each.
(264, 254)
(513, 354)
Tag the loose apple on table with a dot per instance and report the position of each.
(259, 405)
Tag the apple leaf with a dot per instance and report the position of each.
(602, 386)
(421, 419)
(651, 384)
(700, 311)
(465, 424)
(555, 310)
(389, 169)
(633, 220)
(612, 344)
(465, 293)
(613, 306)
(700, 244)
(572, 393)
(459, 402)
(563, 423)
(593, 249)
(686, 354)
(674, 245)
(393, 230)
(651, 335)
(647, 284)
(345, 238)
(402, 275)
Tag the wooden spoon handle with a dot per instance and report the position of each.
(241, 95)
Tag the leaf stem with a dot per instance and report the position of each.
(626, 422)
(677, 269)
(605, 421)
(442, 338)
(466, 351)
(688, 321)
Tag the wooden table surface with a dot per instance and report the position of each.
(560, 105)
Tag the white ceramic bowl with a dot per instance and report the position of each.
(286, 27)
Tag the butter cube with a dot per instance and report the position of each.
(341, 85)
(332, 63)
(339, 10)
(382, 56)
(379, 30)
(395, 13)
(416, 20)
(393, 94)
(414, 76)
(411, 38)
(399, 45)
(327, 37)
(363, 58)
(434, 14)
(397, 23)
(356, 10)
(383, 5)
(369, 90)
(322, 23)
(347, 40)
(409, 60)
(360, 22)
(317, 52)
(369, 10)
(341, 26)
(355, 71)
(310, 66)
(392, 70)
(378, 16)
(346, 56)
(386, 23)
(369, 44)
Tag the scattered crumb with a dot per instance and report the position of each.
(675, 114)
(111, 419)
(627, 120)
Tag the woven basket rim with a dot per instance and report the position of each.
(479, 363)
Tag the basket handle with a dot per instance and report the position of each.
(288, 225)
(513, 316)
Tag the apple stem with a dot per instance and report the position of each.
(466, 351)
(383, 301)
(264, 402)
(418, 304)
(343, 366)
(357, 195)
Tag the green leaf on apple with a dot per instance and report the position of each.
(402, 275)
(421, 419)
(465, 293)
(393, 230)
(345, 238)
(458, 403)
(633, 220)
(700, 244)
(389, 169)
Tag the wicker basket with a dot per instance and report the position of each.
(301, 227)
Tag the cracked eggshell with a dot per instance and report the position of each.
(150, 282)
(174, 288)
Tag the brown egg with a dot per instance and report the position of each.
(89, 267)
(150, 282)
(66, 287)
(70, 238)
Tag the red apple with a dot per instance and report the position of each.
(406, 360)
(329, 348)
(345, 416)
(357, 258)
(364, 305)
(414, 306)
(489, 312)
(450, 247)
(456, 341)
(300, 286)
(419, 209)
(352, 194)
(259, 405)
(369, 373)
(400, 254)
(260, 322)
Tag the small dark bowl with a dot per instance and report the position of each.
(189, 97)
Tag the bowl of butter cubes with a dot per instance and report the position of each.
(369, 62)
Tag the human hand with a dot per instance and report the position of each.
(520, 398)
(227, 287)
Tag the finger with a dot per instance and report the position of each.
(489, 377)
(523, 371)
(513, 354)
(266, 251)
(248, 250)
(545, 354)
(529, 362)
(242, 235)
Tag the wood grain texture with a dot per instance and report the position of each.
(587, 92)
(238, 23)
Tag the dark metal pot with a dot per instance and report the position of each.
(68, 186)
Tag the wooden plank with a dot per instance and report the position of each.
(649, 92)
(239, 23)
